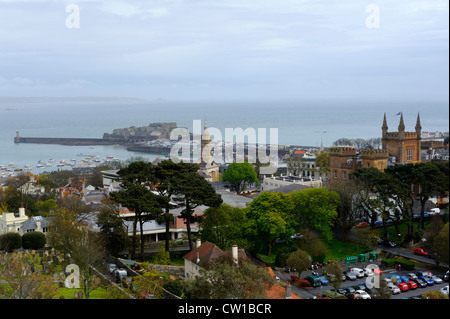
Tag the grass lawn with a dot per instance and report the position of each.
(339, 249)
(67, 293)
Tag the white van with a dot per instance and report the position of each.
(435, 211)
(358, 272)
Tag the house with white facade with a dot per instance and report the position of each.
(12, 222)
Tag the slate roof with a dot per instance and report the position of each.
(30, 224)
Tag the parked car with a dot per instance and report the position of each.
(359, 287)
(444, 290)
(411, 276)
(411, 284)
(396, 279)
(437, 280)
(349, 290)
(404, 278)
(421, 252)
(428, 280)
(112, 267)
(422, 273)
(395, 290)
(362, 224)
(353, 295)
(363, 294)
(403, 287)
(358, 272)
(324, 281)
(420, 282)
(330, 277)
(350, 275)
(388, 243)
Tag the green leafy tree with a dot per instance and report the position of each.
(270, 217)
(300, 260)
(239, 175)
(315, 208)
(335, 272)
(224, 226)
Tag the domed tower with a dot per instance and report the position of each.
(208, 168)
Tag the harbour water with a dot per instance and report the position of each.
(298, 122)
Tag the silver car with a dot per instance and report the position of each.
(436, 279)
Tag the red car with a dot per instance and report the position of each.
(363, 224)
(403, 287)
(411, 284)
(421, 252)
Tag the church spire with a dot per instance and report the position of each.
(401, 126)
(418, 126)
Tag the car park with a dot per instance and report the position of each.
(403, 287)
(411, 284)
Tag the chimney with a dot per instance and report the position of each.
(199, 242)
(38, 225)
(234, 253)
(198, 257)
(287, 294)
(22, 212)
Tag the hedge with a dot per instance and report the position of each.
(33, 240)
(10, 241)
(406, 265)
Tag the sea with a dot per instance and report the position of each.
(298, 122)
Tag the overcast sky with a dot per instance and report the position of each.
(178, 49)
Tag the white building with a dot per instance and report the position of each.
(12, 222)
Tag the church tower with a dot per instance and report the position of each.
(208, 168)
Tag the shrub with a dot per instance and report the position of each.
(33, 240)
(406, 265)
(10, 241)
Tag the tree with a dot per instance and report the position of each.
(240, 174)
(315, 208)
(74, 237)
(10, 241)
(300, 260)
(335, 273)
(348, 206)
(192, 190)
(112, 227)
(137, 182)
(224, 226)
(430, 177)
(295, 165)
(270, 217)
(323, 162)
(165, 173)
(224, 280)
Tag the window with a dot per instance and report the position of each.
(368, 165)
(335, 174)
(345, 175)
(409, 154)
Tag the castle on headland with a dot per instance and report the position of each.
(399, 147)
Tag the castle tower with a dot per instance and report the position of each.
(404, 146)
